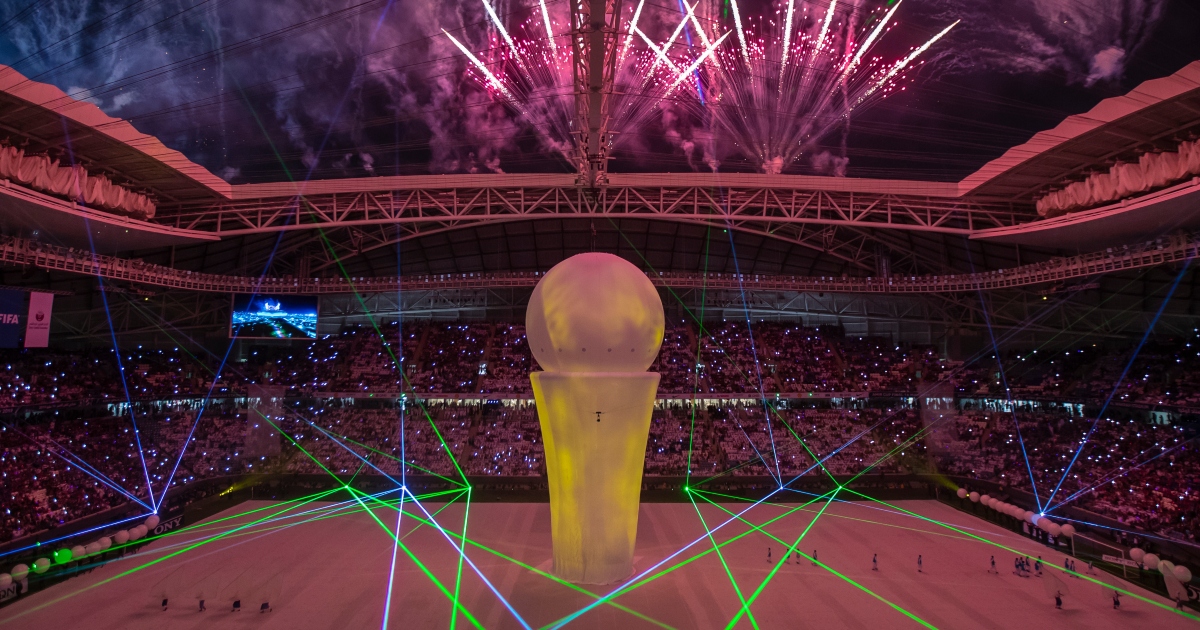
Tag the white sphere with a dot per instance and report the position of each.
(1136, 554)
(985, 499)
(137, 533)
(105, 542)
(121, 537)
(595, 312)
(92, 548)
(1166, 566)
(78, 552)
(1036, 520)
(974, 497)
(1053, 529)
(5, 580)
(1068, 530)
(1183, 574)
(152, 522)
(962, 493)
(41, 565)
(1150, 562)
(1027, 516)
(19, 572)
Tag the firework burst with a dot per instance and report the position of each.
(771, 87)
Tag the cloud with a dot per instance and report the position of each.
(1088, 40)
(1106, 64)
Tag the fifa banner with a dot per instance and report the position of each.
(11, 304)
(37, 325)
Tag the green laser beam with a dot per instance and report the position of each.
(830, 569)
(720, 556)
(790, 550)
(1011, 550)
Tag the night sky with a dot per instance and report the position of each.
(272, 89)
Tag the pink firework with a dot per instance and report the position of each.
(772, 86)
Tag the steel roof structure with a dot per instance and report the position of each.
(677, 223)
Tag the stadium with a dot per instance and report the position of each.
(313, 314)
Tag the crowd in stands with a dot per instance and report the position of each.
(70, 444)
(727, 357)
(1139, 473)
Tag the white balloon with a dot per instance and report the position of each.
(152, 522)
(137, 532)
(1068, 530)
(105, 542)
(92, 548)
(1166, 566)
(20, 572)
(1150, 561)
(78, 552)
(962, 493)
(985, 499)
(1053, 529)
(121, 537)
(1027, 516)
(1136, 554)
(1182, 573)
(5, 580)
(1036, 520)
(41, 565)
(974, 497)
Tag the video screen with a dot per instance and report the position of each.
(274, 317)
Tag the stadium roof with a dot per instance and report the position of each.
(43, 117)
(1153, 112)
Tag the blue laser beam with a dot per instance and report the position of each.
(1117, 386)
(987, 318)
(632, 580)
(463, 554)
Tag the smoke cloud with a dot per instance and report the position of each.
(256, 90)
(1087, 40)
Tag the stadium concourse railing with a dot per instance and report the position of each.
(1177, 248)
(226, 392)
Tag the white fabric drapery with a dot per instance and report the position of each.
(73, 182)
(1152, 170)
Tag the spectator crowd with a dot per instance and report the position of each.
(81, 432)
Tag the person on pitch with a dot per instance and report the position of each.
(164, 604)
(1058, 599)
(1116, 599)
(202, 608)
(875, 562)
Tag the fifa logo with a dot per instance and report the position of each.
(10, 318)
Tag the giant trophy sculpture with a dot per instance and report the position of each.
(595, 324)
